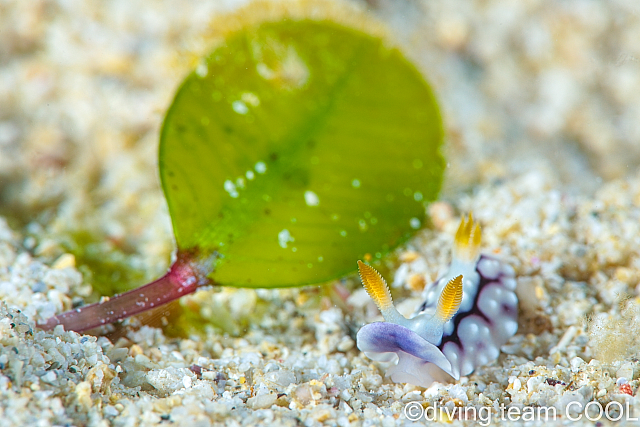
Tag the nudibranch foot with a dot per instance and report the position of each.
(468, 314)
(388, 342)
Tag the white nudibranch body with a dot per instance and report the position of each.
(467, 315)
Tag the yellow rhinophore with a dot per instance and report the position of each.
(450, 300)
(375, 286)
(468, 239)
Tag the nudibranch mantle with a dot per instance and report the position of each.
(467, 315)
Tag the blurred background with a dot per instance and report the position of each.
(547, 85)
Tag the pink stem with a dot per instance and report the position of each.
(183, 278)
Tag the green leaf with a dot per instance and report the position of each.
(296, 148)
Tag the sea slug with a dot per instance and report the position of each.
(467, 315)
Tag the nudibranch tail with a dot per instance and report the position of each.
(450, 300)
(468, 240)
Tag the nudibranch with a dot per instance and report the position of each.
(467, 315)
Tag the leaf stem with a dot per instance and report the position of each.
(184, 277)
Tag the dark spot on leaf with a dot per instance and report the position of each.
(174, 187)
(171, 174)
(228, 129)
(267, 211)
(297, 178)
(312, 143)
(273, 157)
